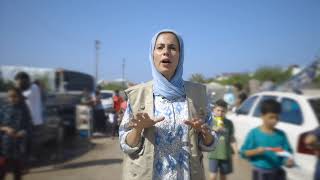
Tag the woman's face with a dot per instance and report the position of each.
(166, 54)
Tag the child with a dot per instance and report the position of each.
(15, 122)
(220, 160)
(263, 144)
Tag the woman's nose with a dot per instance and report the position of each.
(166, 51)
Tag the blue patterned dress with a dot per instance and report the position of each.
(171, 157)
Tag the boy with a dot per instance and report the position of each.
(263, 144)
(15, 123)
(220, 160)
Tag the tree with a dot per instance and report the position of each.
(243, 79)
(275, 74)
(113, 86)
(198, 78)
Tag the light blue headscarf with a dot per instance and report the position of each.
(174, 88)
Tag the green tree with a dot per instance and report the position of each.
(243, 79)
(276, 74)
(198, 78)
(113, 86)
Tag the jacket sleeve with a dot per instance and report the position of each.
(124, 130)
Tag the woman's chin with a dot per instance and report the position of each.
(166, 73)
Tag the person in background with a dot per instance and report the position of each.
(229, 97)
(241, 95)
(42, 88)
(312, 140)
(220, 160)
(86, 98)
(15, 125)
(113, 120)
(117, 100)
(119, 117)
(32, 94)
(99, 117)
(264, 144)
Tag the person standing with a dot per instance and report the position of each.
(220, 160)
(15, 125)
(166, 125)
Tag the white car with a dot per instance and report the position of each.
(300, 113)
(107, 100)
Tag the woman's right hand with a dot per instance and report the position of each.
(142, 121)
(138, 123)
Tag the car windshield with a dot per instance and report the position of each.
(315, 104)
(106, 95)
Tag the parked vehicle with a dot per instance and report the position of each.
(107, 100)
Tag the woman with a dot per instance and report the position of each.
(165, 126)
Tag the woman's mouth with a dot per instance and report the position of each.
(166, 61)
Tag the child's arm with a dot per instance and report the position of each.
(250, 148)
(254, 152)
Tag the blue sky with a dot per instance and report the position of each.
(220, 36)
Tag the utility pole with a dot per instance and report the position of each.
(97, 47)
(123, 69)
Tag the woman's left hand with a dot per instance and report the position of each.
(203, 128)
(199, 126)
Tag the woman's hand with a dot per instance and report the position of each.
(140, 122)
(201, 127)
(143, 120)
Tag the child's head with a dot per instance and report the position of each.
(220, 108)
(270, 110)
(15, 95)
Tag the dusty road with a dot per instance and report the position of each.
(101, 159)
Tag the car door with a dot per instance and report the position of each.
(291, 122)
